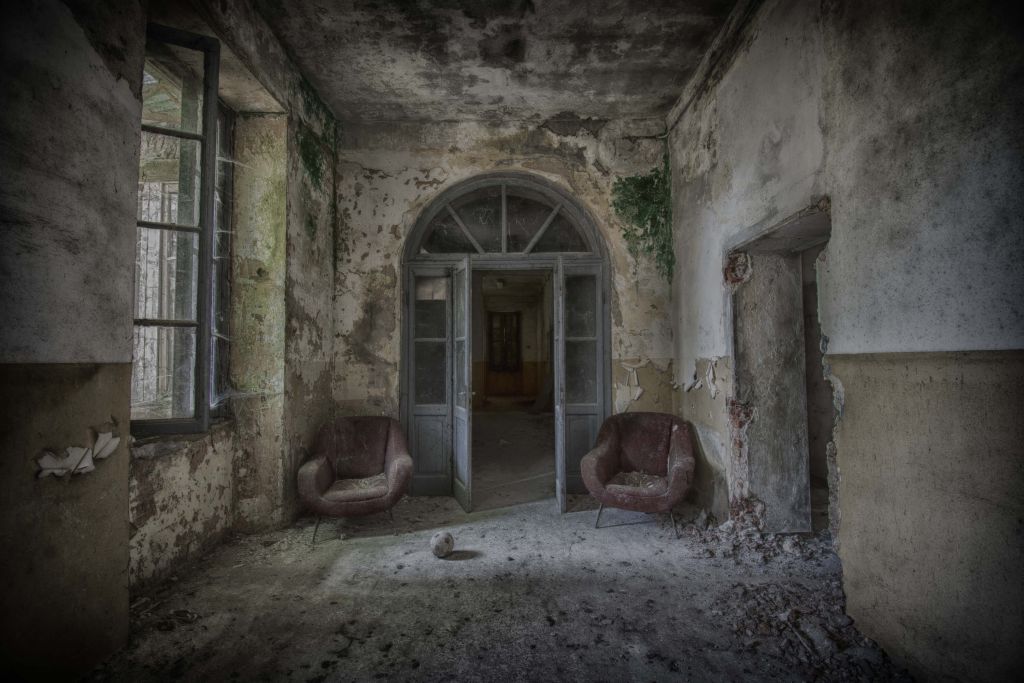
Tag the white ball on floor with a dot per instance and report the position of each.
(442, 544)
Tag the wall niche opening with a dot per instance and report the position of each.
(782, 459)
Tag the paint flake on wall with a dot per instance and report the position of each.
(77, 459)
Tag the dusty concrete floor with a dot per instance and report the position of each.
(513, 458)
(528, 595)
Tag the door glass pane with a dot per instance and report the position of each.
(561, 235)
(461, 390)
(169, 180)
(525, 216)
(446, 237)
(581, 371)
(163, 373)
(166, 268)
(481, 213)
(581, 306)
(460, 303)
(431, 374)
(172, 87)
(430, 314)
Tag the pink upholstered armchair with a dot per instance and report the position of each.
(642, 462)
(358, 466)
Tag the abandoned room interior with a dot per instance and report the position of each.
(698, 325)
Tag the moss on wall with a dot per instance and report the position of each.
(312, 156)
(644, 202)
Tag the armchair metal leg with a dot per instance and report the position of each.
(316, 529)
(391, 515)
(675, 529)
(598, 520)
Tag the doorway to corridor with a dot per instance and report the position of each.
(513, 385)
(505, 361)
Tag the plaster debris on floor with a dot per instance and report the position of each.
(526, 595)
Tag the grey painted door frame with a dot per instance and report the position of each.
(431, 429)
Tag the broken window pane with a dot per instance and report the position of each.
(169, 180)
(525, 216)
(431, 373)
(580, 371)
(166, 269)
(446, 237)
(431, 304)
(580, 306)
(163, 373)
(480, 211)
(561, 235)
(172, 88)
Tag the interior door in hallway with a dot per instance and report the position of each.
(580, 381)
(462, 431)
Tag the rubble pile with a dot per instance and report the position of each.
(802, 630)
(742, 540)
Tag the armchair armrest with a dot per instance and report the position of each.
(680, 458)
(397, 460)
(315, 476)
(602, 462)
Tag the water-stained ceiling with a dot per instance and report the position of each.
(492, 59)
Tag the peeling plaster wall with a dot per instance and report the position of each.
(932, 550)
(908, 117)
(306, 401)
(309, 295)
(388, 173)
(72, 82)
(69, 161)
(241, 475)
(179, 501)
(258, 317)
(65, 541)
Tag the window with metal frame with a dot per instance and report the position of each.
(175, 230)
(503, 218)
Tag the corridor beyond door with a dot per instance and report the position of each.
(513, 422)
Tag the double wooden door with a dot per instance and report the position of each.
(439, 398)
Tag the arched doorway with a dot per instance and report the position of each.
(497, 223)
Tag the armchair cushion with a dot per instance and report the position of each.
(351, 490)
(637, 484)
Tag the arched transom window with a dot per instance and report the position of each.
(503, 217)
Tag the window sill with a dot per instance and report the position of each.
(151, 447)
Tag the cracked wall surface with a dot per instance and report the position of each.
(194, 478)
(800, 102)
(281, 310)
(69, 161)
(388, 173)
(492, 61)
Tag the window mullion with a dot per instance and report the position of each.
(543, 229)
(504, 219)
(208, 166)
